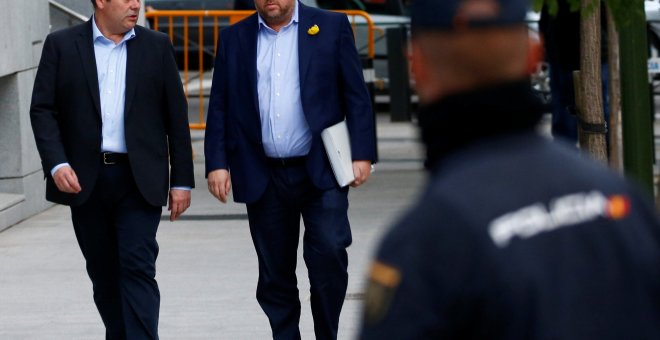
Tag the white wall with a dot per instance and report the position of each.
(25, 25)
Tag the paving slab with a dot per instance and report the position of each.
(207, 267)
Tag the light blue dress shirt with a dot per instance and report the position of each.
(111, 71)
(284, 129)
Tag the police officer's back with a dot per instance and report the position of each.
(516, 236)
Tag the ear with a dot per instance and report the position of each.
(100, 3)
(534, 51)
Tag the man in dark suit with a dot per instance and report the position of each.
(281, 76)
(110, 121)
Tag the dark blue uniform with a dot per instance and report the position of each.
(516, 237)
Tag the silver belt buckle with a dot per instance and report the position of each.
(105, 159)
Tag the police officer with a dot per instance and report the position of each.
(515, 236)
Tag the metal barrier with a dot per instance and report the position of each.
(157, 18)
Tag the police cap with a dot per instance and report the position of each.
(451, 15)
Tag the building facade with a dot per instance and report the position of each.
(25, 25)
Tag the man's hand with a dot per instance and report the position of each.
(361, 170)
(66, 180)
(179, 202)
(219, 184)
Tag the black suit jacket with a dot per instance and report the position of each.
(66, 117)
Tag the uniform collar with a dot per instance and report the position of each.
(457, 121)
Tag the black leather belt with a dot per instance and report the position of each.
(287, 162)
(111, 158)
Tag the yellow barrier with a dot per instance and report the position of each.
(233, 17)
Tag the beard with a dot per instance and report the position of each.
(277, 16)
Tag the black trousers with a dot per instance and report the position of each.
(275, 228)
(116, 231)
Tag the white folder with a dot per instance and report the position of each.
(338, 147)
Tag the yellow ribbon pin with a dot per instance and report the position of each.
(314, 30)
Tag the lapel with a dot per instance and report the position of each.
(85, 45)
(306, 42)
(133, 62)
(248, 41)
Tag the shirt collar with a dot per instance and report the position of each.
(294, 18)
(96, 32)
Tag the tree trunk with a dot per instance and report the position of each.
(590, 107)
(637, 122)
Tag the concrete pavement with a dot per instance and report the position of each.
(207, 267)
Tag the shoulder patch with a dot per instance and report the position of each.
(383, 281)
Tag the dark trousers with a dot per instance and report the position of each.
(275, 228)
(116, 231)
(564, 122)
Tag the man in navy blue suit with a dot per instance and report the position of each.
(281, 76)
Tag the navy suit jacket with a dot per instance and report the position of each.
(66, 114)
(332, 89)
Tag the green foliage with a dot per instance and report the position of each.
(553, 5)
(624, 11)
